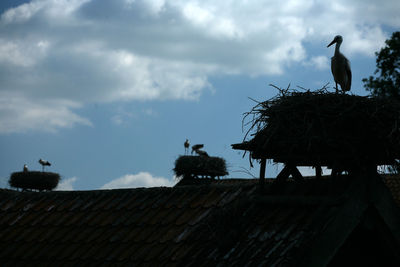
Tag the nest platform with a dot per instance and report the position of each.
(34, 180)
(323, 129)
(196, 166)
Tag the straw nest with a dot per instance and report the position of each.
(34, 180)
(319, 127)
(195, 166)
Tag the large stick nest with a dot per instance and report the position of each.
(34, 180)
(319, 127)
(194, 166)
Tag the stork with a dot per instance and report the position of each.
(44, 163)
(186, 144)
(340, 66)
(197, 147)
(202, 153)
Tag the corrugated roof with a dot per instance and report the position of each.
(227, 223)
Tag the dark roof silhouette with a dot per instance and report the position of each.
(228, 222)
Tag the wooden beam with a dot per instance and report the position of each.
(284, 174)
(289, 169)
(262, 172)
(296, 173)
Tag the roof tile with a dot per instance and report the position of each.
(222, 223)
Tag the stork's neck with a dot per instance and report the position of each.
(337, 48)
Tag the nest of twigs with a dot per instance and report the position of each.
(196, 166)
(34, 180)
(319, 127)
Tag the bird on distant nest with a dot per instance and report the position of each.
(197, 147)
(201, 153)
(340, 66)
(186, 144)
(44, 163)
(25, 168)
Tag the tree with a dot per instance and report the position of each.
(387, 84)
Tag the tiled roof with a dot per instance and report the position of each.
(226, 223)
(393, 183)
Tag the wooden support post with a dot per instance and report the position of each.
(296, 173)
(284, 174)
(262, 172)
(289, 169)
(318, 172)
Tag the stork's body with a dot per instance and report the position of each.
(197, 147)
(202, 153)
(186, 145)
(44, 163)
(340, 66)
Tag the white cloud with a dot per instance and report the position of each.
(82, 51)
(142, 179)
(51, 9)
(22, 13)
(211, 21)
(22, 54)
(19, 114)
(67, 184)
(318, 62)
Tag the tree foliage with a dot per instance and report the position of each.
(387, 83)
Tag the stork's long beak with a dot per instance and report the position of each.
(334, 41)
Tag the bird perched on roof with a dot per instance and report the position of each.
(340, 66)
(197, 147)
(44, 163)
(25, 168)
(202, 153)
(186, 145)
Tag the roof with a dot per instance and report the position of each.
(229, 222)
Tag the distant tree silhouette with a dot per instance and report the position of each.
(387, 84)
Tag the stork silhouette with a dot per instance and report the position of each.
(186, 145)
(340, 66)
(44, 163)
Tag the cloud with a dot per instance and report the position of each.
(142, 179)
(318, 62)
(80, 51)
(67, 184)
(124, 116)
(19, 114)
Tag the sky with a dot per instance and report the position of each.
(108, 91)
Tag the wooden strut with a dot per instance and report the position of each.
(262, 172)
(289, 169)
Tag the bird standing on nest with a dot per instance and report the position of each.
(25, 168)
(44, 163)
(186, 145)
(197, 147)
(202, 153)
(340, 66)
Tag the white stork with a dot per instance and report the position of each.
(186, 145)
(340, 66)
(197, 147)
(202, 153)
(44, 163)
